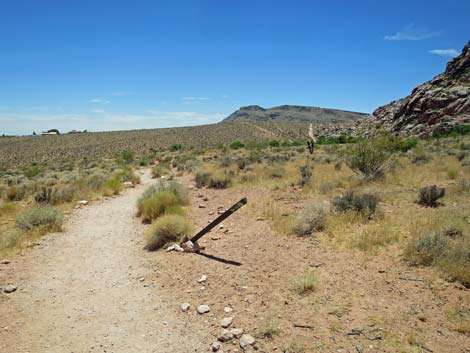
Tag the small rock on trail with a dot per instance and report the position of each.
(202, 309)
(10, 289)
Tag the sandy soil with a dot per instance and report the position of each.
(81, 291)
(91, 289)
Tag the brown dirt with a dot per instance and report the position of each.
(80, 291)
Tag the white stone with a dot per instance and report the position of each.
(246, 340)
(185, 307)
(216, 346)
(228, 309)
(226, 322)
(83, 202)
(237, 332)
(202, 309)
(202, 279)
(225, 336)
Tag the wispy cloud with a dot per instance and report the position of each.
(122, 93)
(192, 99)
(98, 101)
(445, 52)
(413, 33)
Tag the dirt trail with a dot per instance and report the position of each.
(89, 290)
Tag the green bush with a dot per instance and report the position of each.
(369, 158)
(166, 229)
(126, 156)
(40, 216)
(236, 145)
(219, 180)
(114, 183)
(162, 202)
(365, 204)
(202, 178)
(160, 170)
(310, 220)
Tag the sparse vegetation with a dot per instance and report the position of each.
(305, 282)
(167, 229)
(365, 204)
(369, 158)
(43, 216)
(312, 219)
(429, 195)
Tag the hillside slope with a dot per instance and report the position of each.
(435, 106)
(294, 113)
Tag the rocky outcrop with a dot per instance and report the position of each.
(436, 106)
(295, 113)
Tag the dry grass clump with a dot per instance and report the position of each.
(214, 180)
(160, 170)
(305, 282)
(166, 229)
(312, 219)
(162, 198)
(364, 204)
(305, 174)
(371, 239)
(447, 248)
(114, 184)
(44, 216)
(429, 195)
(269, 329)
(460, 318)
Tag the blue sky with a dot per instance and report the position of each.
(113, 65)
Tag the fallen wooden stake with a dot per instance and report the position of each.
(191, 245)
(304, 326)
(411, 279)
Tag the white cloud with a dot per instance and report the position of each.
(98, 101)
(122, 93)
(192, 99)
(445, 52)
(101, 120)
(413, 33)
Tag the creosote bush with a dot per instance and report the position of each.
(40, 216)
(365, 204)
(213, 180)
(428, 195)
(369, 158)
(166, 229)
(312, 219)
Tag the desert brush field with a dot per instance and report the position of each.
(359, 247)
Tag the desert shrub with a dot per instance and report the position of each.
(464, 185)
(40, 216)
(311, 219)
(242, 163)
(236, 145)
(114, 183)
(305, 282)
(460, 317)
(176, 147)
(126, 156)
(365, 204)
(10, 238)
(369, 158)
(419, 157)
(15, 193)
(63, 194)
(144, 161)
(219, 180)
(453, 173)
(160, 170)
(451, 254)
(277, 172)
(180, 191)
(96, 182)
(162, 202)
(166, 229)
(7, 208)
(428, 195)
(305, 174)
(269, 329)
(44, 195)
(202, 178)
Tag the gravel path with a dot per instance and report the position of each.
(88, 290)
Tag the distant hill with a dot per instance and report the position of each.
(295, 113)
(436, 106)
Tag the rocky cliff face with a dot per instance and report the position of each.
(435, 106)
